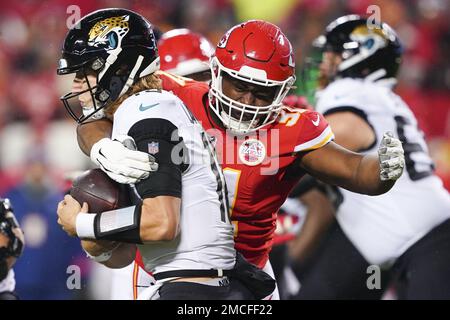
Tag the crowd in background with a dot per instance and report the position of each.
(37, 138)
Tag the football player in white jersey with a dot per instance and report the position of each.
(11, 247)
(405, 232)
(188, 245)
(184, 53)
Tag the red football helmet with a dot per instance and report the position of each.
(257, 52)
(184, 52)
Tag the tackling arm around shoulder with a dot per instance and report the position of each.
(89, 133)
(367, 174)
(111, 254)
(115, 157)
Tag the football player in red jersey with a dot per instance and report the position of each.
(265, 149)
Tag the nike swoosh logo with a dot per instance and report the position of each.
(143, 108)
(316, 123)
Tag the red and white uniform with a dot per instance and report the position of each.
(260, 170)
(255, 191)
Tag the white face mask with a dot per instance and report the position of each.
(259, 116)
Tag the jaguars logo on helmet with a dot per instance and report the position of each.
(364, 50)
(109, 33)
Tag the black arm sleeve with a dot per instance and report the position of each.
(128, 234)
(159, 137)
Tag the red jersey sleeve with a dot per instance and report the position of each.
(314, 133)
(184, 88)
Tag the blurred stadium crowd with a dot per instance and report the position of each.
(37, 138)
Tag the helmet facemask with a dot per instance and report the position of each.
(117, 79)
(242, 118)
(94, 107)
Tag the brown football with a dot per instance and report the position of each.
(99, 191)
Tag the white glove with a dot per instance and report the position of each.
(391, 156)
(119, 160)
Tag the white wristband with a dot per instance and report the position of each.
(85, 226)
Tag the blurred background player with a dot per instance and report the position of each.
(185, 53)
(11, 247)
(302, 226)
(406, 232)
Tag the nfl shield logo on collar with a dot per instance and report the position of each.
(153, 147)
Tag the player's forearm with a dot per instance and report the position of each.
(367, 177)
(91, 132)
(156, 219)
(160, 219)
(98, 247)
(109, 253)
(122, 256)
(353, 171)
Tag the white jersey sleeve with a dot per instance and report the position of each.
(155, 104)
(157, 117)
(340, 94)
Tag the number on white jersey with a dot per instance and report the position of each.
(418, 163)
(216, 169)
